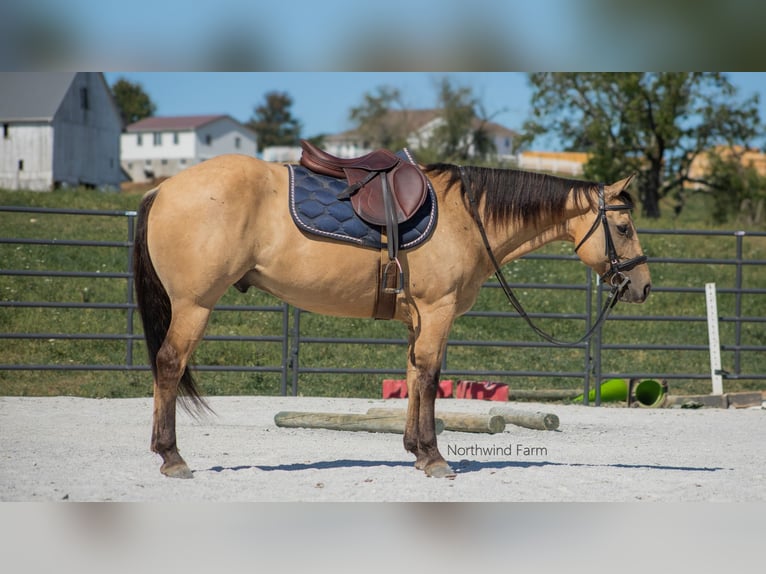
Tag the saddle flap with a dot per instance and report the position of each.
(408, 188)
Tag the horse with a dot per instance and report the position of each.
(225, 222)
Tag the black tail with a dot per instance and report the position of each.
(154, 307)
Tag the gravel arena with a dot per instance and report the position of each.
(64, 448)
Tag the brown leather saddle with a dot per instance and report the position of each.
(374, 180)
(384, 190)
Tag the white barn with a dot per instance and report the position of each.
(58, 129)
(158, 147)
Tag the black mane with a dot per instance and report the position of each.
(515, 195)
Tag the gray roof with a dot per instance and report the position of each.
(32, 95)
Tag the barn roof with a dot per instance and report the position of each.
(32, 96)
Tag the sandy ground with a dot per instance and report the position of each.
(65, 448)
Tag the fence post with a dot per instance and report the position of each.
(738, 302)
(131, 216)
(597, 347)
(589, 342)
(285, 348)
(294, 350)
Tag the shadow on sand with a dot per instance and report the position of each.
(461, 467)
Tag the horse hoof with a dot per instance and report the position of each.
(440, 470)
(177, 471)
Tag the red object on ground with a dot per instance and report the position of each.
(482, 390)
(397, 389)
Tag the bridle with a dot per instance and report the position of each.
(614, 275)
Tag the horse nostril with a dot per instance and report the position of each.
(647, 288)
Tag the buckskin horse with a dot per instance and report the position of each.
(228, 222)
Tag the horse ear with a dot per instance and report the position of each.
(618, 187)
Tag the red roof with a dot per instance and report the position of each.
(172, 123)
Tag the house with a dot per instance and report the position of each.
(57, 130)
(416, 128)
(162, 146)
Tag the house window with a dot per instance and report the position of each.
(6, 131)
(139, 139)
(164, 162)
(21, 165)
(237, 142)
(84, 99)
(183, 161)
(208, 139)
(175, 138)
(148, 162)
(157, 138)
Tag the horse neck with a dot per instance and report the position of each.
(515, 239)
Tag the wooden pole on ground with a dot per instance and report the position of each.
(391, 423)
(527, 419)
(543, 394)
(461, 422)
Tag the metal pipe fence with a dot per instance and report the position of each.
(587, 362)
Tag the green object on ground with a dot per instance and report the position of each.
(611, 391)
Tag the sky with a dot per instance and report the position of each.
(322, 100)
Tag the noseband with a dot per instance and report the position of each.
(614, 275)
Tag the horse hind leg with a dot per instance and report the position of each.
(185, 331)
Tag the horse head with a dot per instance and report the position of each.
(606, 240)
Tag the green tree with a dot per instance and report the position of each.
(655, 124)
(134, 103)
(737, 187)
(462, 133)
(459, 133)
(274, 123)
(381, 119)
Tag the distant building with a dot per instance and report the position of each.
(700, 165)
(416, 128)
(58, 129)
(563, 163)
(282, 154)
(158, 147)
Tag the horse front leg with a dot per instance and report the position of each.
(424, 357)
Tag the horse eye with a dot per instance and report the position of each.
(622, 229)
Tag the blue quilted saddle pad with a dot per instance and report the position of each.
(316, 209)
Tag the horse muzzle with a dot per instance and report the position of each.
(635, 293)
(632, 286)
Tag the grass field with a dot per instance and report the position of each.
(99, 289)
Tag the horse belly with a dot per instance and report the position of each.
(321, 277)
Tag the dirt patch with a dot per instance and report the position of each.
(63, 448)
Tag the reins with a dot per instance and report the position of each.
(613, 276)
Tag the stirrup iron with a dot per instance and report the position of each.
(399, 274)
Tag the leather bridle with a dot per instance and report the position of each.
(614, 276)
